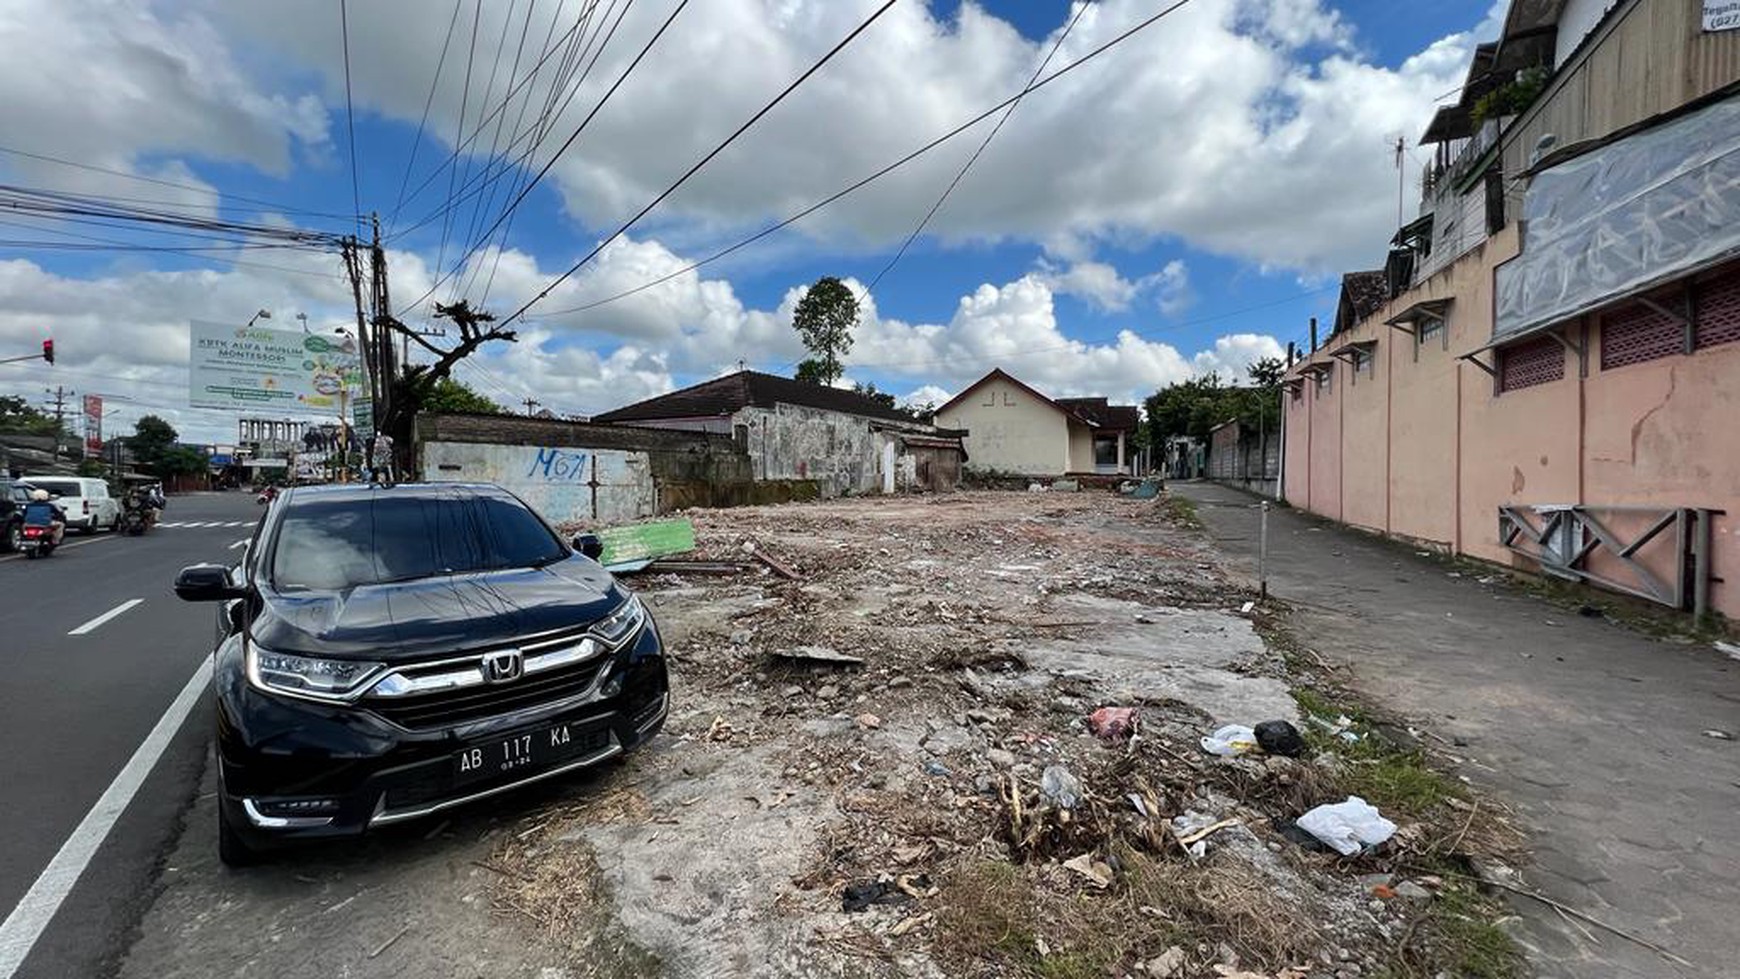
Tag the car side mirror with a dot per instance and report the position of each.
(206, 583)
(589, 545)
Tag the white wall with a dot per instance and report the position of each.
(1010, 430)
(1577, 19)
(566, 485)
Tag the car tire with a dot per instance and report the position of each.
(14, 537)
(232, 849)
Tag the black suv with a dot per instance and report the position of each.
(13, 496)
(389, 652)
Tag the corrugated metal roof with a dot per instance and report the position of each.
(726, 395)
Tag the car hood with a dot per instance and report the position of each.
(412, 620)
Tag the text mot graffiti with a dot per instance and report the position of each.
(557, 466)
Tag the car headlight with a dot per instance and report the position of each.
(307, 676)
(616, 627)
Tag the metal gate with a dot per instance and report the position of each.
(1567, 539)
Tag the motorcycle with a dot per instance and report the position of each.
(40, 535)
(138, 514)
(267, 495)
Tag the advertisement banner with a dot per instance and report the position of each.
(1721, 15)
(93, 426)
(251, 368)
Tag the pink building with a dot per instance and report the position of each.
(1546, 373)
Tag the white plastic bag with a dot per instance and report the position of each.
(1348, 826)
(1234, 739)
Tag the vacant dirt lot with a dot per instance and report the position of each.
(882, 764)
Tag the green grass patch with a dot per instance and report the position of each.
(1181, 511)
(1393, 778)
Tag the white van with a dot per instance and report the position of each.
(88, 505)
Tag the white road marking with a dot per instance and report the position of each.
(235, 523)
(172, 524)
(241, 543)
(97, 622)
(28, 920)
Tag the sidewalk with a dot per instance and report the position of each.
(1592, 732)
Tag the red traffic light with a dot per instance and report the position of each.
(48, 350)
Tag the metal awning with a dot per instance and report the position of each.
(1419, 229)
(1450, 122)
(1428, 310)
(1347, 350)
(1317, 368)
(1290, 383)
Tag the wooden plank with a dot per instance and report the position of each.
(642, 542)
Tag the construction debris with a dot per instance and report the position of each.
(818, 655)
(1113, 724)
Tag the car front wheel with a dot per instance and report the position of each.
(14, 537)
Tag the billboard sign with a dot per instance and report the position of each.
(93, 426)
(251, 368)
(1721, 15)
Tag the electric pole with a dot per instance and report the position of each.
(1401, 179)
(60, 395)
(531, 404)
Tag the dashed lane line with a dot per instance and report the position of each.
(97, 623)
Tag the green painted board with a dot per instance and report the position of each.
(636, 544)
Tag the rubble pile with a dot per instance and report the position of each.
(966, 704)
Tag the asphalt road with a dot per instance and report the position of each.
(79, 694)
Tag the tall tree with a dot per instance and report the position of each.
(449, 395)
(152, 440)
(17, 417)
(1266, 373)
(476, 328)
(824, 320)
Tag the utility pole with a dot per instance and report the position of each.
(1401, 178)
(531, 404)
(60, 395)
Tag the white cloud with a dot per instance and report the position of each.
(1246, 127)
(927, 394)
(1232, 354)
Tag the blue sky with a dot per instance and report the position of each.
(1182, 204)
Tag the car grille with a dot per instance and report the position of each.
(446, 708)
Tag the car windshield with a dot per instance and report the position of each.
(341, 544)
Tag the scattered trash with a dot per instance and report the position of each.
(677, 566)
(1245, 609)
(1065, 486)
(818, 654)
(634, 546)
(861, 895)
(1148, 489)
(1384, 891)
(1060, 786)
(908, 924)
(1167, 964)
(868, 720)
(1347, 826)
(1718, 735)
(768, 559)
(934, 767)
(1097, 873)
(1589, 611)
(1113, 724)
(720, 730)
(1035, 488)
(1279, 738)
(1290, 832)
(1411, 891)
(1233, 739)
(1732, 650)
(1186, 839)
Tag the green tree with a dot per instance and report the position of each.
(152, 440)
(824, 320)
(868, 390)
(447, 395)
(1266, 373)
(180, 460)
(17, 417)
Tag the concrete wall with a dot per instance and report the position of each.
(1010, 430)
(1433, 453)
(839, 451)
(565, 485)
(1081, 447)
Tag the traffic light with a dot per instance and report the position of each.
(48, 350)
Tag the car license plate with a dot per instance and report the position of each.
(526, 752)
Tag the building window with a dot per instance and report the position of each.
(1635, 333)
(1537, 361)
(1105, 450)
(1325, 379)
(1718, 312)
(1362, 359)
(1429, 327)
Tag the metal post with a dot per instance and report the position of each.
(1263, 552)
(1700, 565)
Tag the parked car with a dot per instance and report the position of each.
(86, 500)
(12, 501)
(386, 653)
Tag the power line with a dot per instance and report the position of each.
(956, 182)
(350, 117)
(602, 101)
(488, 91)
(879, 174)
(285, 208)
(417, 140)
(668, 191)
(458, 131)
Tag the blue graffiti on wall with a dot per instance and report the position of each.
(557, 466)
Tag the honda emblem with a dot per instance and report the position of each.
(500, 667)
